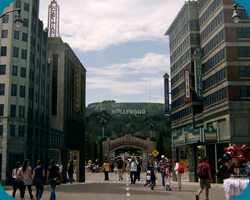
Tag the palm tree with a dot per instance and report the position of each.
(151, 124)
(104, 116)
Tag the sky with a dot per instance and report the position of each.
(121, 44)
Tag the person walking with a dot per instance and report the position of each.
(204, 182)
(18, 180)
(153, 177)
(162, 166)
(70, 170)
(112, 163)
(37, 179)
(26, 173)
(168, 178)
(52, 173)
(106, 169)
(59, 164)
(133, 163)
(120, 166)
(139, 167)
(178, 174)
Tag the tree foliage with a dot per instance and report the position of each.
(100, 153)
(94, 152)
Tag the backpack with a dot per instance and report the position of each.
(181, 168)
(202, 171)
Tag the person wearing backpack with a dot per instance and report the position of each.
(179, 170)
(204, 173)
(18, 180)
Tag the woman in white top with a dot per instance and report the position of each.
(59, 164)
(26, 173)
(18, 180)
(177, 174)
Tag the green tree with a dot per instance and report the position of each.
(104, 116)
(100, 153)
(159, 146)
(94, 152)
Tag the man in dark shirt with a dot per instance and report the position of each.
(119, 164)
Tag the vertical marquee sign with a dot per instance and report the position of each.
(166, 87)
(77, 88)
(196, 57)
(187, 98)
(53, 19)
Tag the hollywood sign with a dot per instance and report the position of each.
(128, 143)
(128, 111)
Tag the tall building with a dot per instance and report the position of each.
(24, 88)
(67, 111)
(210, 81)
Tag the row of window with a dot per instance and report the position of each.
(178, 102)
(177, 77)
(21, 130)
(215, 97)
(182, 59)
(243, 52)
(202, 3)
(217, 20)
(243, 14)
(213, 43)
(244, 71)
(13, 90)
(6, 20)
(214, 60)
(243, 32)
(179, 36)
(214, 79)
(14, 71)
(26, 6)
(183, 113)
(180, 49)
(178, 89)
(15, 52)
(21, 110)
(16, 35)
(244, 91)
(209, 11)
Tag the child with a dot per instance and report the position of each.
(168, 178)
(148, 178)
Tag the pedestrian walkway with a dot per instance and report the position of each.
(96, 188)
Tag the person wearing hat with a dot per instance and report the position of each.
(162, 166)
(177, 173)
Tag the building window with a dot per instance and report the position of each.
(15, 52)
(2, 69)
(23, 72)
(241, 51)
(21, 111)
(18, 4)
(13, 90)
(193, 24)
(22, 91)
(195, 38)
(16, 35)
(21, 131)
(14, 70)
(12, 130)
(4, 33)
(1, 130)
(240, 32)
(25, 37)
(244, 91)
(247, 30)
(1, 109)
(25, 22)
(24, 54)
(2, 89)
(243, 71)
(3, 51)
(26, 7)
(13, 110)
(5, 19)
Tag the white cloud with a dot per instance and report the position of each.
(97, 24)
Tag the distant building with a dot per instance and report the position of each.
(24, 89)
(209, 57)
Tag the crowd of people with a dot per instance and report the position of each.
(24, 177)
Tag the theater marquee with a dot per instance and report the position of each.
(77, 89)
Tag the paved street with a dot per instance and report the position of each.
(96, 188)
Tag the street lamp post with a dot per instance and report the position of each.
(18, 21)
(236, 16)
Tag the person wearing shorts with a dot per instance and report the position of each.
(205, 183)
